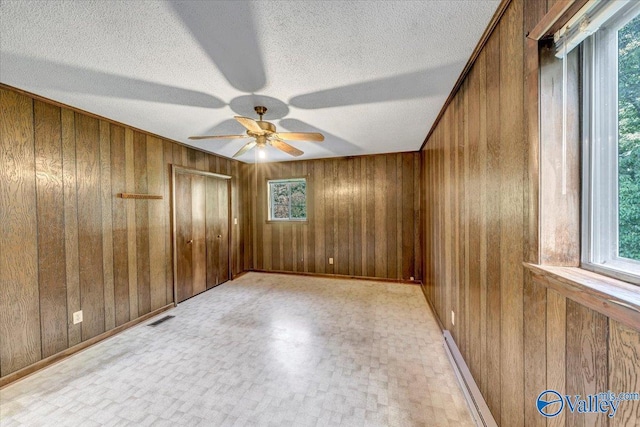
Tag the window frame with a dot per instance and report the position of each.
(270, 218)
(600, 182)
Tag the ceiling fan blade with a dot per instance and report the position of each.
(248, 146)
(301, 136)
(281, 145)
(250, 124)
(219, 137)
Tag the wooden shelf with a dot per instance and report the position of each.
(139, 196)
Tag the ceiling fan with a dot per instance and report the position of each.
(264, 133)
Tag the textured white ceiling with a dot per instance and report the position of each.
(370, 75)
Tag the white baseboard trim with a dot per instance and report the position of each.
(479, 410)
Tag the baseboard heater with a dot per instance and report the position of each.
(479, 409)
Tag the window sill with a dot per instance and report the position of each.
(292, 221)
(611, 297)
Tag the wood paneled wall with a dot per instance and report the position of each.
(362, 211)
(67, 242)
(576, 351)
(480, 224)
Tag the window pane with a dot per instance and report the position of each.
(280, 193)
(629, 139)
(298, 194)
(298, 211)
(281, 211)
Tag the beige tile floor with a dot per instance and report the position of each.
(268, 350)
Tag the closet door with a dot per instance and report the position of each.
(217, 195)
(201, 231)
(191, 263)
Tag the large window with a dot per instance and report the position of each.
(611, 155)
(287, 199)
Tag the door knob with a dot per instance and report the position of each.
(190, 242)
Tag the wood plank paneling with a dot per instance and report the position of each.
(50, 205)
(513, 149)
(142, 223)
(473, 218)
(391, 217)
(343, 238)
(492, 215)
(107, 225)
(156, 221)
(90, 226)
(370, 215)
(119, 219)
(329, 199)
(409, 186)
(319, 217)
(69, 174)
(556, 333)
(77, 245)
(624, 371)
(19, 294)
(132, 260)
(535, 362)
(415, 224)
(586, 360)
(482, 219)
(362, 211)
(461, 169)
(380, 215)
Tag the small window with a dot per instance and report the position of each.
(287, 199)
(611, 155)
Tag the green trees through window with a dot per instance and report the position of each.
(629, 139)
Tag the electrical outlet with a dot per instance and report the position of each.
(411, 278)
(453, 318)
(331, 261)
(235, 221)
(77, 317)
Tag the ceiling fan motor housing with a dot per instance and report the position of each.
(266, 126)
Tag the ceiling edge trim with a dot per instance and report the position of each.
(115, 122)
(493, 24)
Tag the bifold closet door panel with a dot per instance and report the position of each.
(198, 233)
(217, 231)
(213, 248)
(223, 227)
(183, 207)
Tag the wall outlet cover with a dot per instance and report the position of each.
(453, 317)
(77, 317)
(330, 260)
